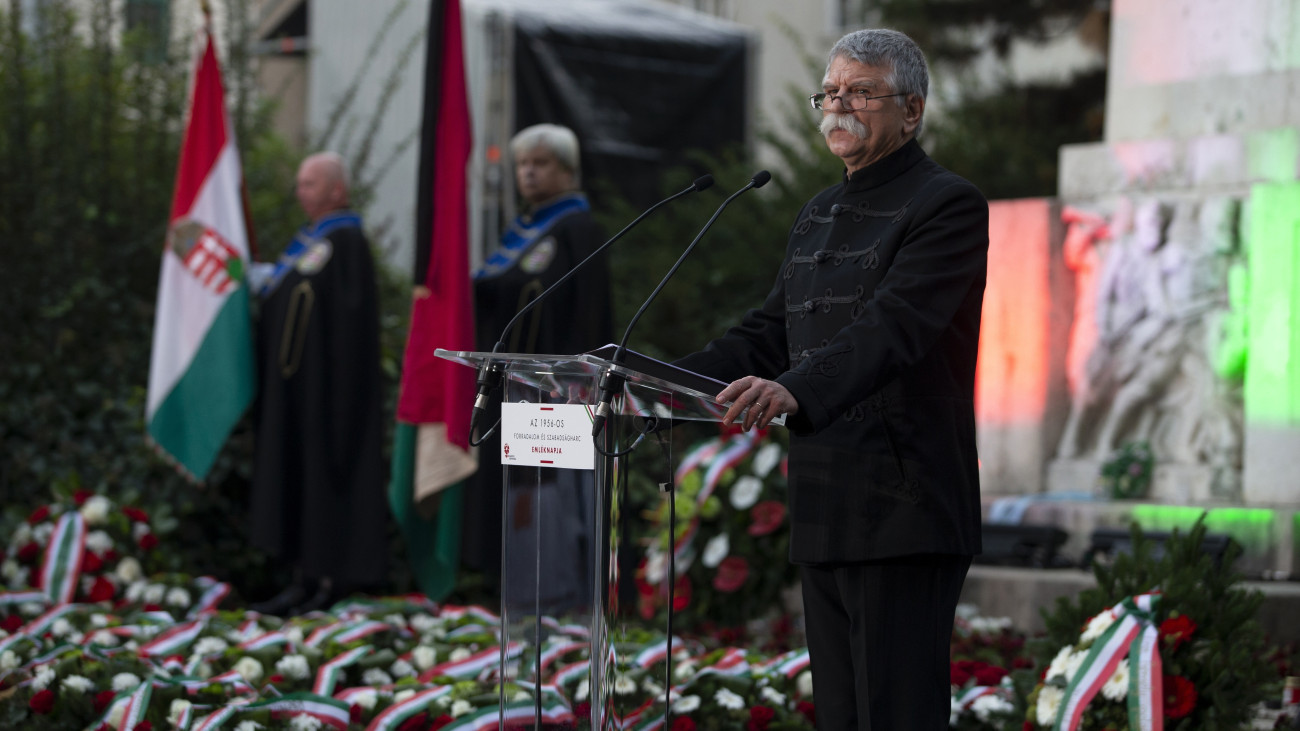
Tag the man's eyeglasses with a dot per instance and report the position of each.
(852, 101)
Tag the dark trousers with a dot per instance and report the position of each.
(878, 640)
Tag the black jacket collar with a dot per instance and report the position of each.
(886, 169)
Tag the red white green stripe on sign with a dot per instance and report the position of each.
(328, 675)
(1134, 617)
(472, 665)
(62, 565)
(173, 639)
(213, 592)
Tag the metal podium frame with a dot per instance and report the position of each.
(538, 504)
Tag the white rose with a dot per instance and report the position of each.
(425, 657)
(366, 699)
(461, 707)
(304, 722)
(767, 457)
(9, 569)
(61, 627)
(745, 492)
(9, 660)
(139, 530)
(98, 541)
(656, 566)
(77, 684)
(178, 597)
(95, 510)
(1049, 702)
(154, 594)
(177, 710)
(125, 681)
(1116, 688)
(249, 668)
(395, 620)
(44, 676)
(423, 622)
(623, 685)
(104, 638)
(375, 676)
(294, 636)
(22, 534)
(129, 570)
(294, 667)
(728, 700)
(249, 726)
(135, 590)
(42, 532)
(804, 684)
(99, 620)
(521, 695)
(209, 646)
(683, 671)
(651, 688)
(403, 695)
(686, 704)
(772, 696)
(401, 669)
(715, 550)
(20, 578)
(986, 705)
(458, 654)
(580, 694)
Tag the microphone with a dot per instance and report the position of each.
(611, 384)
(489, 372)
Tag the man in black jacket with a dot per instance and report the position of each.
(867, 342)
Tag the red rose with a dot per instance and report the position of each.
(42, 702)
(38, 515)
(11, 623)
(102, 699)
(81, 496)
(102, 590)
(91, 563)
(1176, 630)
(1021, 663)
(683, 723)
(148, 541)
(957, 675)
(582, 710)
(29, 552)
(681, 593)
(440, 721)
(135, 514)
(1180, 696)
(808, 710)
(1027, 726)
(274, 679)
(414, 723)
(731, 575)
(151, 607)
(354, 713)
(989, 675)
(768, 516)
(759, 718)
(143, 726)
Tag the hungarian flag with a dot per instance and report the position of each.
(431, 454)
(201, 376)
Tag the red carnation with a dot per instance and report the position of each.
(42, 702)
(102, 590)
(683, 723)
(135, 514)
(440, 721)
(102, 699)
(1176, 630)
(148, 541)
(768, 516)
(958, 675)
(29, 552)
(38, 515)
(414, 723)
(759, 718)
(91, 563)
(1180, 696)
(808, 710)
(731, 575)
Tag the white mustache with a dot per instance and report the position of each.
(832, 121)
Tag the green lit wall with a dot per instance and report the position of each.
(1272, 387)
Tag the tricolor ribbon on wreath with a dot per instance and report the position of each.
(1135, 633)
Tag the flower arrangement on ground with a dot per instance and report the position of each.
(1170, 640)
(1127, 473)
(731, 538)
